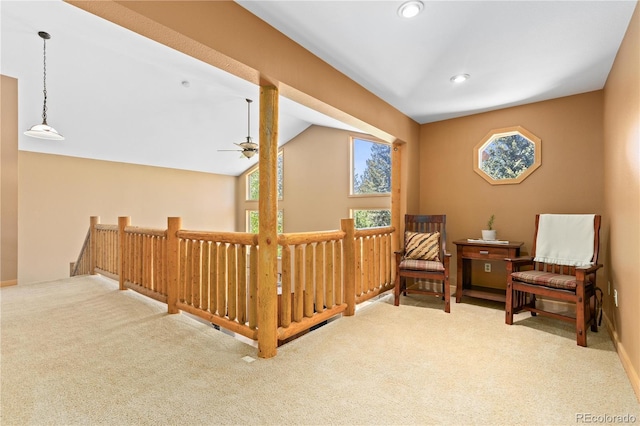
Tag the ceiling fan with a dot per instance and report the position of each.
(249, 148)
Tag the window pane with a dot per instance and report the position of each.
(253, 221)
(253, 181)
(507, 157)
(253, 184)
(371, 218)
(371, 167)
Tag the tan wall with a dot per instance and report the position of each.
(622, 197)
(568, 181)
(8, 180)
(316, 179)
(57, 195)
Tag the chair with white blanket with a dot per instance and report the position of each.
(562, 267)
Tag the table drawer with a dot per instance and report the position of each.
(497, 253)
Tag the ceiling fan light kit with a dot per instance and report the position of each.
(44, 131)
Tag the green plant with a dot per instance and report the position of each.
(490, 222)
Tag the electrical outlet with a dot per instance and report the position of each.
(487, 267)
(615, 297)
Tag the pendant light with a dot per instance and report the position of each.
(44, 131)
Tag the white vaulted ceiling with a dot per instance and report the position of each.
(118, 96)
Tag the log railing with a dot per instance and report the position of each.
(106, 249)
(214, 275)
(312, 285)
(218, 279)
(374, 269)
(143, 265)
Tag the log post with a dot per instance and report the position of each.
(348, 226)
(173, 263)
(93, 244)
(123, 221)
(267, 229)
(396, 195)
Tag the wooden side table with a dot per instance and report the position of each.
(469, 251)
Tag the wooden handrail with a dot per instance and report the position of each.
(309, 237)
(145, 231)
(106, 227)
(370, 232)
(244, 238)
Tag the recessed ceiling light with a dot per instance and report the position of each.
(185, 83)
(460, 78)
(410, 9)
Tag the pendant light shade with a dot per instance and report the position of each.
(44, 131)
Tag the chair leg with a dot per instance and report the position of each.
(508, 304)
(396, 291)
(594, 313)
(532, 302)
(447, 295)
(581, 329)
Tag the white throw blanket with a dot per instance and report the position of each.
(565, 239)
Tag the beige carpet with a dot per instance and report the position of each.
(80, 352)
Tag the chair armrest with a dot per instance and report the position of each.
(399, 255)
(582, 272)
(517, 263)
(589, 269)
(523, 260)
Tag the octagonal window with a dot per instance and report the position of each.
(507, 156)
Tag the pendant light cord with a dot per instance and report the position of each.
(44, 91)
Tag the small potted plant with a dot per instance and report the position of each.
(489, 234)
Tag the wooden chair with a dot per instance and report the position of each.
(424, 257)
(548, 274)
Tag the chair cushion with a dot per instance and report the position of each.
(422, 265)
(547, 279)
(422, 246)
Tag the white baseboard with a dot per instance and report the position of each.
(634, 378)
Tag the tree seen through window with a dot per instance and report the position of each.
(371, 167)
(507, 157)
(371, 218)
(253, 181)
